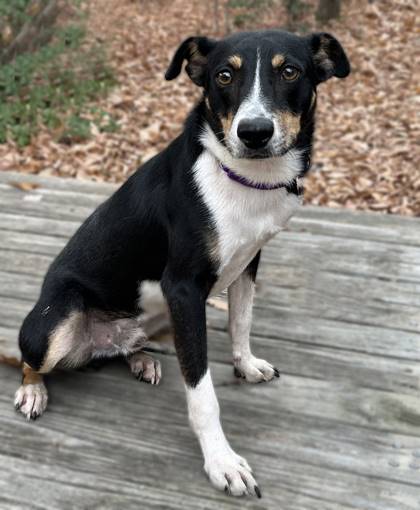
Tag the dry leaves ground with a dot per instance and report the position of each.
(367, 153)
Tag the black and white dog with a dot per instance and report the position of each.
(193, 218)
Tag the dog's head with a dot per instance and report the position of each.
(260, 87)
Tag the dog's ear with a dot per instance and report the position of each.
(195, 51)
(328, 57)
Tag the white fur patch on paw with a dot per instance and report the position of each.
(231, 473)
(255, 370)
(31, 400)
(145, 368)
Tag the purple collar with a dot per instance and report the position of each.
(251, 184)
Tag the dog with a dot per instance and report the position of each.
(193, 218)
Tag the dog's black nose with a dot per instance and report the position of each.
(255, 133)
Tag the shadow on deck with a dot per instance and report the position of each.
(337, 311)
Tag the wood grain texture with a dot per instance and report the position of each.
(337, 311)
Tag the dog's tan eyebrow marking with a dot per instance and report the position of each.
(278, 60)
(235, 61)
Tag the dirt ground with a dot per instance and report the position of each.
(367, 153)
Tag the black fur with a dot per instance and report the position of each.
(150, 224)
(339, 67)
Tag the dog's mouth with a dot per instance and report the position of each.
(259, 154)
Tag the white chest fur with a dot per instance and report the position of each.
(245, 218)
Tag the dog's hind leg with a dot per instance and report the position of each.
(45, 339)
(64, 333)
(154, 320)
(125, 337)
(145, 368)
(73, 341)
(32, 397)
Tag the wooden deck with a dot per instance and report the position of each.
(337, 310)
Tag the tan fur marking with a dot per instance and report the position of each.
(235, 61)
(61, 340)
(30, 376)
(313, 100)
(207, 103)
(278, 60)
(290, 123)
(226, 123)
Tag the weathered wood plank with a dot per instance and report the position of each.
(278, 311)
(348, 256)
(9, 343)
(403, 317)
(298, 443)
(337, 310)
(318, 220)
(20, 286)
(50, 196)
(32, 243)
(318, 331)
(30, 207)
(325, 353)
(367, 226)
(32, 225)
(324, 363)
(295, 358)
(24, 262)
(81, 186)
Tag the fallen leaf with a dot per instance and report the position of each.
(24, 185)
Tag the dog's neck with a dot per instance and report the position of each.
(248, 183)
(268, 172)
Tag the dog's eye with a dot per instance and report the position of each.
(224, 77)
(290, 73)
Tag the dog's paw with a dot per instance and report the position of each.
(231, 473)
(255, 370)
(145, 368)
(31, 400)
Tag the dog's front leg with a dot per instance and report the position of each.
(226, 470)
(241, 297)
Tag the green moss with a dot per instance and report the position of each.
(54, 87)
(14, 12)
